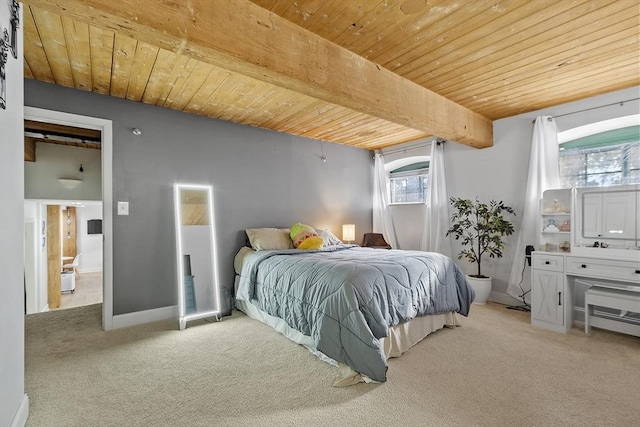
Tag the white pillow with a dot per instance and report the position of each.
(266, 239)
(328, 238)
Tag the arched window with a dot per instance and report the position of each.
(600, 154)
(408, 184)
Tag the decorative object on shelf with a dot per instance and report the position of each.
(566, 225)
(480, 227)
(15, 23)
(551, 226)
(565, 246)
(4, 49)
(8, 43)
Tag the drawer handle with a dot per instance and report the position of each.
(559, 298)
(637, 271)
(584, 266)
(547, 262)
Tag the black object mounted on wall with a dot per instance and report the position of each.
(94, 226)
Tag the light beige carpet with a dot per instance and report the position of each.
(494, 370)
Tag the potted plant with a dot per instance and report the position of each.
(480, 227)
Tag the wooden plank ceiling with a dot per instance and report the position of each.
(444, 67)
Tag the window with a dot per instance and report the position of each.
(409, 184)
(611, 157)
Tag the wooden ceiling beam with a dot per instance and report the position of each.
(242, 37)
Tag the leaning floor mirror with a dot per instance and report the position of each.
(198, 285)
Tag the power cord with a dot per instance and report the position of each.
(525, 307)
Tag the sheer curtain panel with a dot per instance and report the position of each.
(544, 173)
(382, 222)
(436, 222)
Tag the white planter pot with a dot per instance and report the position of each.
(482, 288)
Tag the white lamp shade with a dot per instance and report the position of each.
(348, 232)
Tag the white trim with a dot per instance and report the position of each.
(89, 270)
(145, 316)
(105, 127)
(21, 415)
(598, 127)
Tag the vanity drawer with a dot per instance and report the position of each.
(628, 271)
(543, 261)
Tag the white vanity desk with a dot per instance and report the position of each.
(554, 277)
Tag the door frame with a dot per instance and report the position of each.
(106, 131)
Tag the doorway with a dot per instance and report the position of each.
(106, 141)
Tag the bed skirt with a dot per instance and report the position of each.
(401, 337)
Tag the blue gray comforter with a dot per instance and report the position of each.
(346, 297)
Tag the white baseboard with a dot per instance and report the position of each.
(145, 316)
(503, 298)
(20, 418)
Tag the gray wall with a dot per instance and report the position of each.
(260, 179)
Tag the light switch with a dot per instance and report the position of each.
(123, 208)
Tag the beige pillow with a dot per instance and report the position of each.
(266, 239)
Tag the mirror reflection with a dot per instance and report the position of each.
(195, 236)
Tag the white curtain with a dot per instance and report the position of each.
(544, 173)
(382, 222)
(436, 222)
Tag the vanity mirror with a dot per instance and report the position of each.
(198, 285)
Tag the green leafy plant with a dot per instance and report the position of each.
(480, 228)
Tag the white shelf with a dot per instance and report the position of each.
(556, 232)
(556, 213)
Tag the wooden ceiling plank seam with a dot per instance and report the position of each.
(360, 126)
(159, 77)
(200, 99)
(409, 33)
(356, 27)
(49, 27)
(501, 27)
(221, 39)
(434, 36)
(35, 56)
(563, 83)
(276, 108)
(27, 70)
(301, 108)
(255, 110)
(510, 57)
(401, 138)
(603, 72)
(76, 36)
(124, 52)
(298, 12)
(215, 105)
(180, 84)
(487, 51)
(251, 104)
(335, 127)
(191, 84)
(570, 70)
(143, 64)
(317, 110)
(556, 56)
(181, 63)
(324, 116)
(517, 59)
(101, 59)
(237, 100)
(333, 10)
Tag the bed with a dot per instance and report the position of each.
(351, 306)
